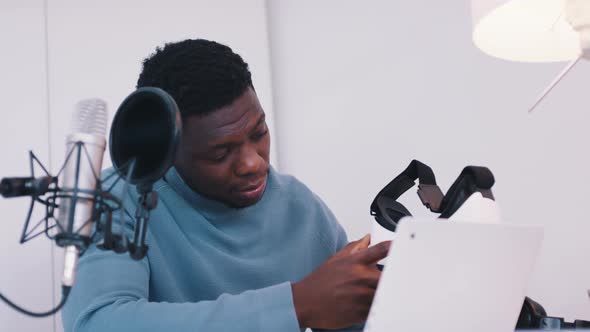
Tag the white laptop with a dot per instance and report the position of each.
(454, 276)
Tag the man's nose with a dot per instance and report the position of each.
(250, 162)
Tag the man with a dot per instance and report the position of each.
(233, 244)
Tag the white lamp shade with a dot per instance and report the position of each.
(524, 30)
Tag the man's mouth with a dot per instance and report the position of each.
(253, 191)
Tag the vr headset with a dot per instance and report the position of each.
(533, 316)
(387, 211)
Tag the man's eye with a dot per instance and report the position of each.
(259, 135)
(219, 157)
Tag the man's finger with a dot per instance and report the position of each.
(374, 253)
(349, 248)
(370, 278)
(361, 244)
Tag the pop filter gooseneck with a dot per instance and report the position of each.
(143, 141)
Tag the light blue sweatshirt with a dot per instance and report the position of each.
(209, 267)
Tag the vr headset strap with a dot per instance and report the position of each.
(428, 191)
(472, 179)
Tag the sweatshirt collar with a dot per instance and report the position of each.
(211, 208)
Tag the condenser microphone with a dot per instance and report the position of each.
(73, 199)
(85, 147)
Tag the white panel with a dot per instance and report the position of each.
(26, 276)
(363, 87)
(96, 49)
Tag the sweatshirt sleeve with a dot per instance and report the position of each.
(338, 237)
(111, 293)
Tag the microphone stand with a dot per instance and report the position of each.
(148, 200)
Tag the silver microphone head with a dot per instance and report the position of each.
(90, 117)
(85, 147)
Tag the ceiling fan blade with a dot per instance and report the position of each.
(555, 81)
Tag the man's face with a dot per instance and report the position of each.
(224, 155)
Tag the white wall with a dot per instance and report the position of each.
(23, 126)
(95, 49)
(363, 87)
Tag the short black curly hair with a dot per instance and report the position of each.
(201, 75)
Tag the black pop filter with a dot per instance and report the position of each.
(146, 128)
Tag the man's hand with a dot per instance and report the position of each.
(339, 292)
